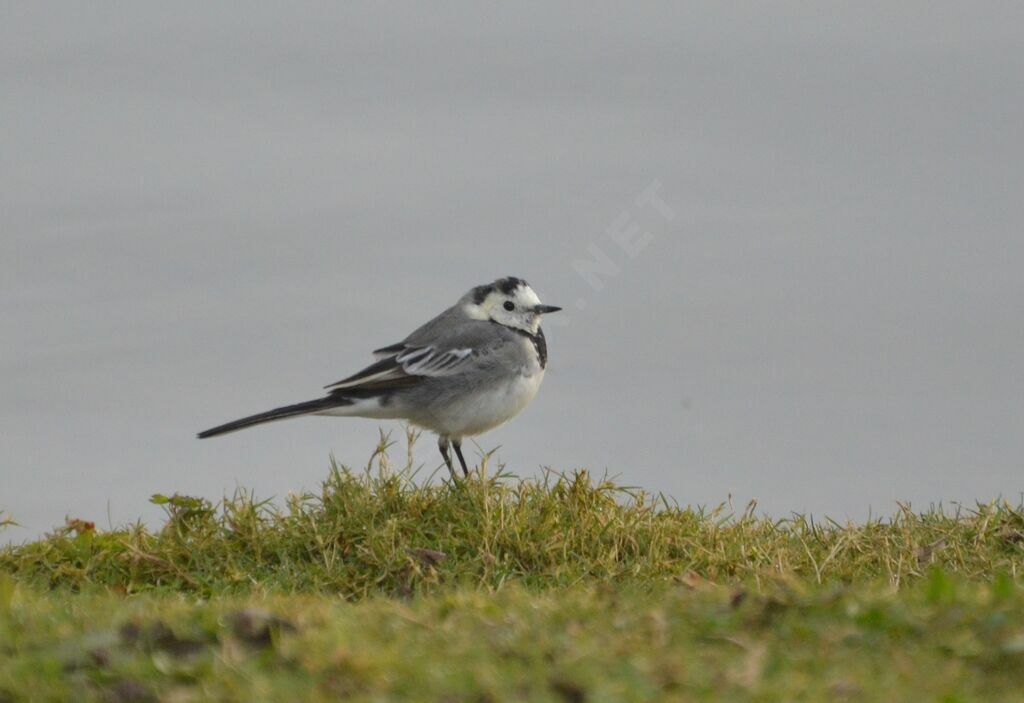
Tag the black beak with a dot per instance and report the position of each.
(542, 309)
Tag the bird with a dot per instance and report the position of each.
(469, 370)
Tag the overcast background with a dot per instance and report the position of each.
(213, 209)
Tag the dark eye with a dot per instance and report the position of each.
(509, 305)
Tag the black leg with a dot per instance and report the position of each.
(462, 460)
(442, 444)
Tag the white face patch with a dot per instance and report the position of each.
(508, 301)
(516, 310)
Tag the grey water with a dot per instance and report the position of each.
(788, 239)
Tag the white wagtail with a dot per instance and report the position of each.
(473, 367)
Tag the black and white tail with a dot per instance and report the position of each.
(307, 408)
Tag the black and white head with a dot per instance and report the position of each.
(508, 301)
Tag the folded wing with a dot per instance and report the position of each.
(401, 365)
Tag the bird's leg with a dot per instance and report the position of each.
(458, 452)
(442, 444)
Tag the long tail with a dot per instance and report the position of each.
(310, 406)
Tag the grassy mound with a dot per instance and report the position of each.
(379, 533)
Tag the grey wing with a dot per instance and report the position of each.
(449, 351)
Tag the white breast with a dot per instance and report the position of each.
(487, 410)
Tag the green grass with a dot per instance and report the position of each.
(565, 589)
(938, 639)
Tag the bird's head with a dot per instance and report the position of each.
(508, 301)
